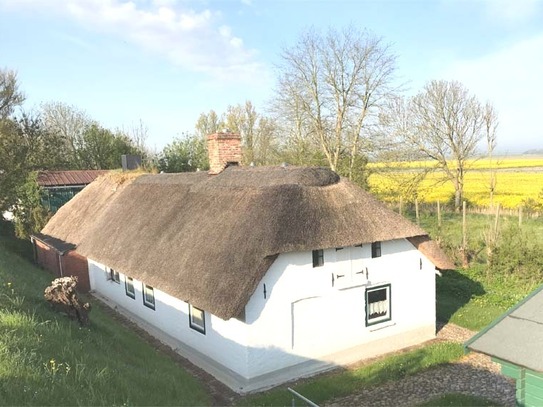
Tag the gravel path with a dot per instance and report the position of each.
(474, 374)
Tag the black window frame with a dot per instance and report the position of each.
(113, 275)
(131, 294)
(376, 250)
(147, 303)
(318, 258)
(194, 325)
(379, 319)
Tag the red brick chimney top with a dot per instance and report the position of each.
(224, 149)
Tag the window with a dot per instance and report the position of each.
(148, 296)
(197, 319)
(129, 287)
(318, 258)
(376, 249)
(378, 305)
(113, 275)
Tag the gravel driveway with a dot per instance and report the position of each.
(474, 374)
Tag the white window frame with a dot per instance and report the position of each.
(146, 289)
(197, 324)
(376, 306)
(129, 288)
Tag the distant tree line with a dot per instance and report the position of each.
(54, 137)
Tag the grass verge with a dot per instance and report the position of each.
(47, 359)
(343, 383)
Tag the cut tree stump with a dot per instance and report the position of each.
(62, 295)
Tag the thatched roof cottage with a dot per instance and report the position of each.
(256, 274)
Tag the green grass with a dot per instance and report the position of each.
(474, 297)
(459, 400)
(343, 383)
(47, 359)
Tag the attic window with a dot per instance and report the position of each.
(129, 287)
(148, 296)
(318, 258)
(376, 249)
(197, 319)
(113, 275)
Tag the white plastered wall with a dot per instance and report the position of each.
(302, 317)
(224, 341)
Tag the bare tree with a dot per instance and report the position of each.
(447, 123)
(70, 124)
(208, 123)
(335, 82)
(10, 95)
(257, 132)
(490, 128)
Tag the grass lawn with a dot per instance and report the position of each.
(458, 400)
(345, 382)
(474, 297)
(47, 359)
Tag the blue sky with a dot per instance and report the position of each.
(166, 61)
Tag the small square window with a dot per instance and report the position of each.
(197, 319)
(129, 287)
(148, 296)
(378, 305)
(318, 258)
(376, 249)
(113, 275)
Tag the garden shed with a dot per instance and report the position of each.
(515, 341)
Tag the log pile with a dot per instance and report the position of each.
(62, 295)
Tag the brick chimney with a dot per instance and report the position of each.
(224, 149)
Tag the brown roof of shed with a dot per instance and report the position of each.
(209, 240)
(68, 178)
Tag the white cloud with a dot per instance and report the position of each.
(511, 79)
(196, 40)
(512, 12)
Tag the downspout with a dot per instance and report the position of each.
(60, 264)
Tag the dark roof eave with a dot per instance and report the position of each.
(58, 245)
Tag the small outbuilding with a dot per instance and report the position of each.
(58, 187)
(515, 341)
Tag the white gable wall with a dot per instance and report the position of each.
(304, 317)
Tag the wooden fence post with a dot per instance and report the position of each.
(401, 202)
(520, 216)
(417, 211)
(465, 259)
(438, 215)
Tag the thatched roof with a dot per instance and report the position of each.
(209, 240)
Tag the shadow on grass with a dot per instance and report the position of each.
(454, 290)
(10, 242)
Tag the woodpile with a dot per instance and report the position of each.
(62, 295)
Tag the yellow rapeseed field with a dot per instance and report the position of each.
(519, 180)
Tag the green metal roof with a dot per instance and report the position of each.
(517, 335)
